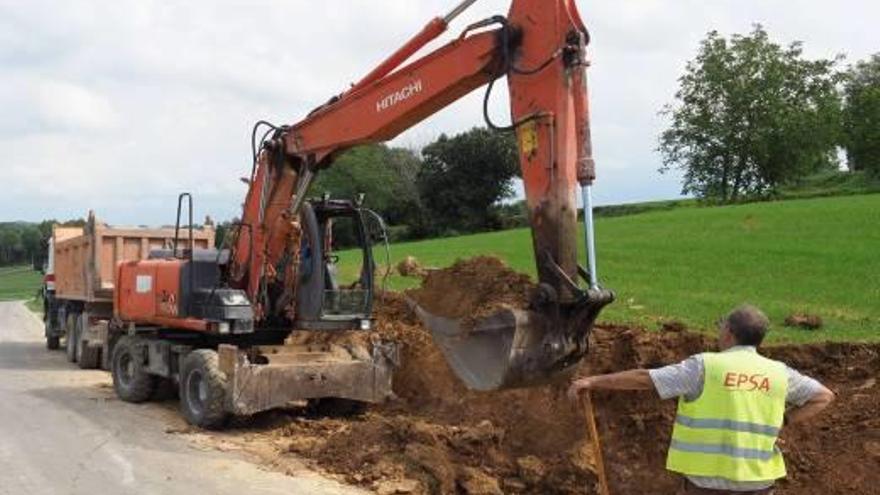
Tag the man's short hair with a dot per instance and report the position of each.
(748, 324)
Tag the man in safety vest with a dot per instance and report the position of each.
(732, 405)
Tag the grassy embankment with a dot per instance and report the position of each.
(21, 283)
(692, 264)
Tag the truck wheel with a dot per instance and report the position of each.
(88, 357)
(53, 343)
(72, 337)
(130, 379)
(203, 389)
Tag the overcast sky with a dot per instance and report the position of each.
(117, 106)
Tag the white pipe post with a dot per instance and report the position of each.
(590, 240)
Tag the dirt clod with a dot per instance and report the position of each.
(433, 459)
(472, 289)
(396, 487)
(410, 267)
(805, 321)
(473, 481)
(531, 469)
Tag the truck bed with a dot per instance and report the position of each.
(86, 257)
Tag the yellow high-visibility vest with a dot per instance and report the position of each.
(730, 431)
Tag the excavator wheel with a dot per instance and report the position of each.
(203, 390)
(130, 380)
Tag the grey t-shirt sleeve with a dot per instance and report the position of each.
(801, 388)
(681, 379)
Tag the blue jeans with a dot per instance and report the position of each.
(689, 488)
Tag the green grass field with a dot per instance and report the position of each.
(19, 283)
(820, 256)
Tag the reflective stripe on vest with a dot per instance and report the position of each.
(730, 431)
(727, 424)
(727, 450)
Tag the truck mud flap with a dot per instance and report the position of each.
(286, 374)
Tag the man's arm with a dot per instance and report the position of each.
(676, 380)
(624, 380)
(815, 405)
(807, 396)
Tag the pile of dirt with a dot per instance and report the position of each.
(410, 267)
(473, 288)
(441, 438)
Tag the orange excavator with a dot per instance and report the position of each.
(216, 321)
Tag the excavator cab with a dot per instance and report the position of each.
(335, 294)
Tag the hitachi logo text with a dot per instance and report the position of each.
(404, 94)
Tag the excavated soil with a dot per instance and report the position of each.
(440, 438)
(472, 289)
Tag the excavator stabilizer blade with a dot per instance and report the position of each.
(511, 348)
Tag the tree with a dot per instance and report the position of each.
(386, 176)
(751, 115)
(31, 243)
(463, 176)
(861, 117)
(10, 246)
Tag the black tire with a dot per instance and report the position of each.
(53, 341)
(203, 390)
(336, 408)
(72, 337)
(131, 380)
(88, 357)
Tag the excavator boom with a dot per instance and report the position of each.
(540, 46)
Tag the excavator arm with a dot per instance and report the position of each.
(540, 47)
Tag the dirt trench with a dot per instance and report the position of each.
(441, 438)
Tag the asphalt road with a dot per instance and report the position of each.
(62, 431)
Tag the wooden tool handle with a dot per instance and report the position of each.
(587, 404)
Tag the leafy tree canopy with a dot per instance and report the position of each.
(463, 176)
(751, 115)
(386, 176)
(861, 122)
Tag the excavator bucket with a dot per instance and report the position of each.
(514, 348)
